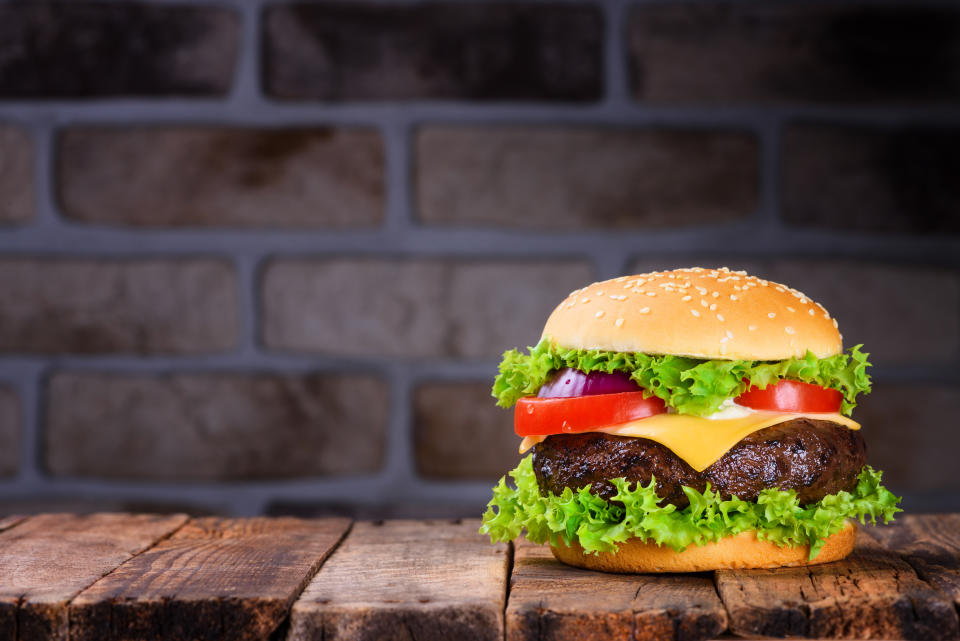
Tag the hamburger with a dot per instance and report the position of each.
(687, 420)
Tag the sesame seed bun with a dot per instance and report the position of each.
(735, 552)
(696, 312)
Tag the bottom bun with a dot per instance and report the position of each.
(743, 551)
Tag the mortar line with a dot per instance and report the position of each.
(45, 194)
(73, 240)
(216, 111)
(398, 174)
(29, 388)
(615, 68)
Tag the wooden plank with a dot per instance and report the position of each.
(930, 543)
(7, 522)
(552, 601)
(214, 579)
(420, 580)
(46, 560)
(872, 594)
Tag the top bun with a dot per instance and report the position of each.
(696, 312)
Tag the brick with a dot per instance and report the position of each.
(901, 314)
(792, 52)
(485, 51)
(214, 427)
(911, 434)
(583, 178)
(425, 308)
(872, 179)
(16, 175)
(9, 431)
(459, 432)
(205, 177)
(101, 49)
(88, 306)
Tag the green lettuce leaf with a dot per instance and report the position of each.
(599, 525)
(688, 385)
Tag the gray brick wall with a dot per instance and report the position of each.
(261, 257)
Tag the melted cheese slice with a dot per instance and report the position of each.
(700, 441)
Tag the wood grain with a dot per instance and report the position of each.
(420, 580)
(930, 543)
(7, 522)
(872, 594)
(552, 601)
(46, 560)
(214, 579)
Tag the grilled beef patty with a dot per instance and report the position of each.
(815, 458)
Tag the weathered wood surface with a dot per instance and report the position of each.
(45, 561)
(872, 594)
(7, 522)
(213, 579)
(552, 601)
(408, 580)
(132, 577)
(931, 545)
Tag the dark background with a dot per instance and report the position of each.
(263, 257)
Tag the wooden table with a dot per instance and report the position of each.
(127, 576)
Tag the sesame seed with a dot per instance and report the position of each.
(834, 323)
(651, 293)
(811, 311)
(645, 310)
(584, 300)
(695, 313)
(723, 349)
(724, 339)
(713, 307)
(779, 289)
(600, 293)
(715, 294)
(729, 334)
(791, 309)
(702, 290)
(687, 297)
(772, 315)
(703, 302)
(788, 330)
(752, 328)
(733, 297)
(720, 317)
(619, 322)
(599, 314)
(641, 281)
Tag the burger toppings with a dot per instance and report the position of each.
(541, 416)
(570, 382)
(792, 396)
(686, 385)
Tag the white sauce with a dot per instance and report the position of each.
(729, 409)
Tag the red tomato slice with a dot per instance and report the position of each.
(792, 396)
(541, 416)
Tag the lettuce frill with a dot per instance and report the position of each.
(599, 525)
(688, 385)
